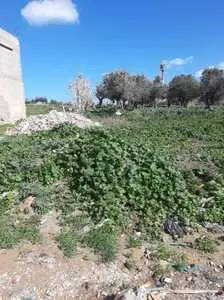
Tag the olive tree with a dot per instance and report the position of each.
(182, 89)
(158, 90)
(101, 93)
(212, 86)
(123, 88)
(113, 86)
(140, 90)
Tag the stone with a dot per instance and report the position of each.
(12, 100)
(48, 262)
(168, 280)
(214, 227)
(49, 121)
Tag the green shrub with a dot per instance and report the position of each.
(7, 200)
(12, 233)
(67, 243)
(161, 268)
(165, 252)
(135, 241)
(104, 242)
(205, 244)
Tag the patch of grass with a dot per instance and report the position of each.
(205, 244)
(30, 233)
(104, 243)
(67, 243)
(9, 237)
(167, 258)
(180, 266)
(7, 201)
(40, 109)
(135, 242)
(4, 127)
(165, 253)
(161, 268)
(12, 234)
(168, 253)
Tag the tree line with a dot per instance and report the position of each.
(43, 100)
(131, 90)
(128, 90)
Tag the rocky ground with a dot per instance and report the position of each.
(41, 272)
(49, 121)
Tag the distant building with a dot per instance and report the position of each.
(12, 101)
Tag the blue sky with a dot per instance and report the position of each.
(95, 37)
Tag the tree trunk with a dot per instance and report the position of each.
(207, 103)
(100, 102)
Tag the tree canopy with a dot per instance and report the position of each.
(182, 89)
(212, 86)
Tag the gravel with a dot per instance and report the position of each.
(49, 121)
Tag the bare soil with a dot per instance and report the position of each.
(41, 272)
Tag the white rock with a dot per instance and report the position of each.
(49, 121)
(168, 280)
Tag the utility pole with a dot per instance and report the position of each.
(162, 72)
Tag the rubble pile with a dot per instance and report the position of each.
(49, 121)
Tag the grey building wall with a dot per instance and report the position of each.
(12, 101)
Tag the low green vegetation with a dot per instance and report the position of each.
(13, 231)
(40, 109)
(4, 127)
(167, 258)
(104, 242)
(135, 241)
(170, 254)
(152, 165)
(67, 243)
(205, 244)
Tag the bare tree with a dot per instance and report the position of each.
(81, 92)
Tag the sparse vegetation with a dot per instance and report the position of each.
(4, 127)
(135, 241)
(12, 232)
(104, 242)
(67, 242)
(205, 244)
(40, 109)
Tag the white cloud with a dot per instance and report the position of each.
(43, 12)
(177, 62)
(198, 74)
(220, 66)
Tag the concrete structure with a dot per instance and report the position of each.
(12, 101)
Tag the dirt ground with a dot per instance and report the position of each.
(41, 272)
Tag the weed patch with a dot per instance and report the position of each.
(67, 243)
(205, 244)
(104, 242)
(125, 173)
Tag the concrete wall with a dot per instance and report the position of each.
(12, 101)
